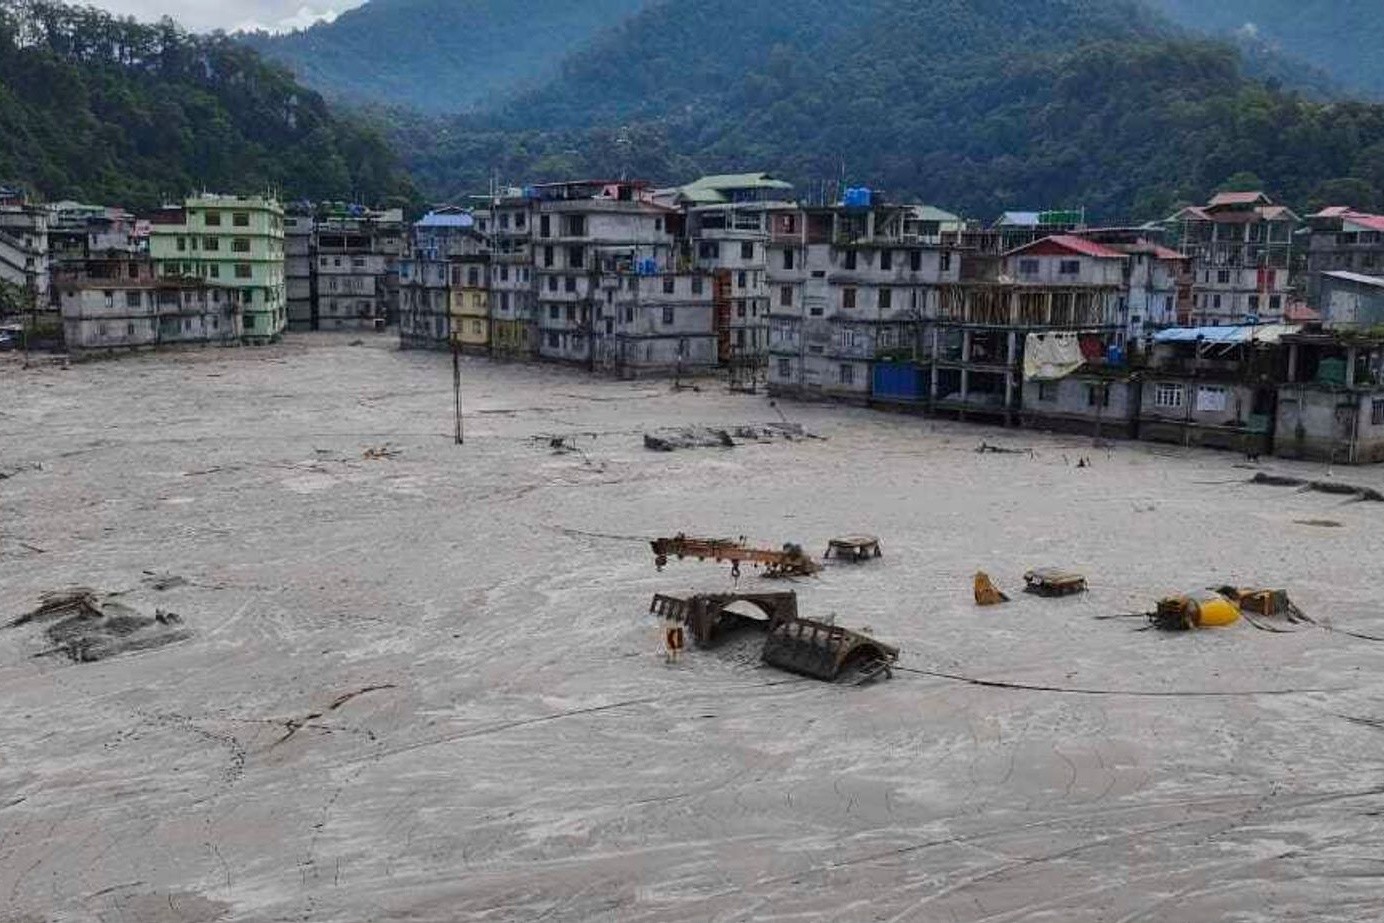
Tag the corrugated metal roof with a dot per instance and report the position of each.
(1239, 198)
(1368, 222)
(445, 220)
(1356, 277)
(1229, 336)
(739, 181)
(1076, 245)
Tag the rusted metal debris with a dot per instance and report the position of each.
(1053, 581)
(822, 651)
(790, 561)
(1264, 602)
(986, 593)
(853, 548)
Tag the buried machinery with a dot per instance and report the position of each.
(790, 561)
(798, 645)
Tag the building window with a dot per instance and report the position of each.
(182, 244)
(569, 283)
(240, 219)
(668, 285)
(850, 259)
(846, 374)
(848, 298)
(242, 270)
(1377, 413)
(1098, 395)
(1223, 277)
(1047, 391)
(214, 271)
(552, 337)
(1069, 267)
(696, 285)
(249, 322)
(740, 280)
(1253, 304)
(504, 273)
(788, 259)
(786, 296)
(886, 260)
(213, 219)
(1028, 267)
(747, 251)
(576, 258)
(785, 368)
(946, 261)
(1216, 302)
(212, 244)
(553, 312)
(915, 260)
(1167, 396)
(1211, 399)
(552, 283)
(708, 250)
(129, 330)
(886, 299)
(667, 315)
(1275, 302)
(473, 277)
(132, 299)
(240, 245)
(572, 312)
(547, 256)
(740, 307)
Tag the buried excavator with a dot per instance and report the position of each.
(808, 647)
(790, 561)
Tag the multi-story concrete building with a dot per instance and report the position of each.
(231, 242)
(513, 327)
(77, 233)
(1241, 247)
(23, 252)
(470, 301)
(425, 320)
(850, 286)
(592, 238)
(1343, 240)
(299, 267)
(119, 302)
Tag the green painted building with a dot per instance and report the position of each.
(232, 241)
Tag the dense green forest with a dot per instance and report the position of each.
(1344, 38)
(977, 105)
(440, 55)
(104, 109)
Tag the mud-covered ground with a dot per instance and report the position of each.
(422, 686)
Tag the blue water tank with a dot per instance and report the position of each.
(857, 197)
(1114, 355)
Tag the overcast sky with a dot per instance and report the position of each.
(205, 15)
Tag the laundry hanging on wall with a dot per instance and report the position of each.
(1050, 356)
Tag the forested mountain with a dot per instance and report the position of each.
(1344, 38)
(107, 110)
(441, 55)
(977, 105)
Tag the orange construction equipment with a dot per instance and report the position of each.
(1195, 610)
(791, 561)
(987, 594)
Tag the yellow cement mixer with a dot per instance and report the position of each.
(1202, 609)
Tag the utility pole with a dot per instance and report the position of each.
(456, 388)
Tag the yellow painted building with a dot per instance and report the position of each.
(470, 304)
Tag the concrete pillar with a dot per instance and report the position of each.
(1008, 394)
(1292, 362)
(965, 346)
(965, 383)
(1013, 355)
(1351, 355)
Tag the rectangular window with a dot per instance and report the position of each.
(786, 296)
(212, 244)
(249, 322)
(709, 250)
(1377, 413)
(552, 337)
(886, 299)
(569, 283)
(788, 259)
(785, 367)
(740, 307)
(747, 251)
(946, 260)
(182, 244)
(847, 298)
(1216, 302)
(240, 245)
(214, 271)
(1223, 277)
(1098, 395)
(846, 374)
(850, 259)
(667, 315)
(132, 299)
(696, 285)
(213, 219)
(240, 219)
(242, 270)
(547, 257)
(1211, 399)
(545, 229)
(1028, 267)
(1070, 267)
(576, 258)
(504, 273)
(552, 283)
(740, 280)
(1167, 396)
(473, 277)
(915, 260)
(554, 312)
(572, 312)
(1047, 391)
(668, 285)
(886, 260)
